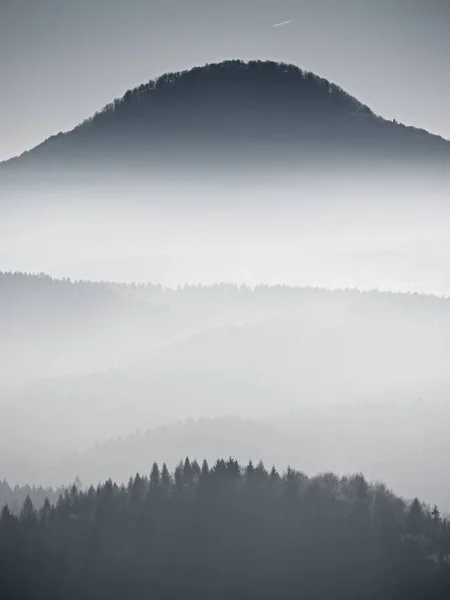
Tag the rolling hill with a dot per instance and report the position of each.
(226, 116)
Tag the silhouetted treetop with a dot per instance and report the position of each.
(239, 79)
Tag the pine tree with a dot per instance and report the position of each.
(196, 470)
(188, 473)
(205, 468)
(178, 476)
(166, 480)
(155, 478)
(273, 475)
(45, 512)
(260, 471)
(28, 514)
(138, 491)
(291, 483)
(5, 519)
(416, 518)
(436, 515)
(233, 468)
(249, 470)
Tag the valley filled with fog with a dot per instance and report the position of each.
(300, 318)
(386, 232)
(295, 317)
(100, 378)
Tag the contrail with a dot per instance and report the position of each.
(283, 23)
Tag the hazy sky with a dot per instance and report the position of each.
(61, 60)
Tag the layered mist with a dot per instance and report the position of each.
(355, 380)
(239, 260)
(384, 232)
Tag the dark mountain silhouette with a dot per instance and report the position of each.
(232, 113)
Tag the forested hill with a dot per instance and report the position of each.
(226, 532)
(279, 111)
(56, 328)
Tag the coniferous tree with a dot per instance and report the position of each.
(5, 519)
(155, 477)
(416, 519)
(165, 478)
(205, 468)
(28, 514)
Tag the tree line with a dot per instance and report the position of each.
(226, 532)
(14, 496)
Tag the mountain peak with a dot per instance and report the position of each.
(238, 79)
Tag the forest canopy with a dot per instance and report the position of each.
(226, 532)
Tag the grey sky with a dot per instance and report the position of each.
(61, 60)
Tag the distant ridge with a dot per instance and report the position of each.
(218, 114)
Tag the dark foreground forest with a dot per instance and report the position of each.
(226, 532)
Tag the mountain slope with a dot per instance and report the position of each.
(263, 111)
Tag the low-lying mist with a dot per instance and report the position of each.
(84, 363)
(334, 232)
(239, 319)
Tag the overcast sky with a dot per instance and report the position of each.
(61, 60)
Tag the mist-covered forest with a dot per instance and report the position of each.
(226, 531)
(130, 320)
(99, 376)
